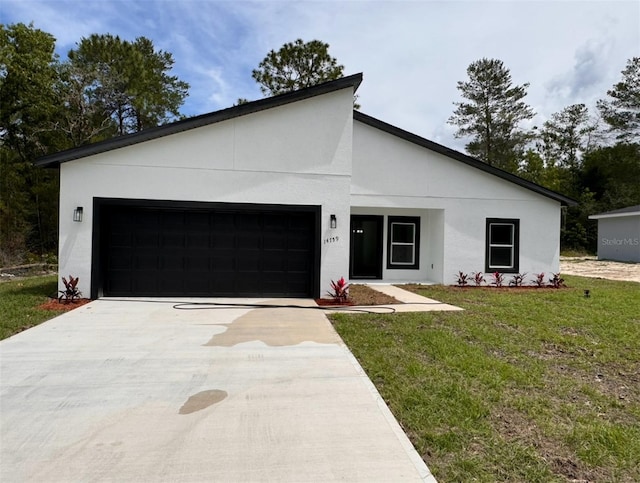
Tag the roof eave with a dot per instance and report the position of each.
(458, 156)
(614, 215)
(55, 159)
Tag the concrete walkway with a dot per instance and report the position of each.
(140, 391)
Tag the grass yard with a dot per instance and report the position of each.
(19, 301)
(522, 386)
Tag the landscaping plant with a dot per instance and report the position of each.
(517, 280)
(70, 292)
(462, 279)
(478, 278)
(339, 291)
(539, 280)
(498, 279)
(556, 281)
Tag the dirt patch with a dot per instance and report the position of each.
(514, 426)
(363, 295)
(592, 267)
(202, 400)
(54, 304)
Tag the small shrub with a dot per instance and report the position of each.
(478, 278)
(556, 281)
(498, 279)
(70, 292)
(517, 280)
(462, 279)
(539, 280)
(339, 290)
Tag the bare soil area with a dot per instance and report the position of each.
(55, 304)
(592, 267)
(362, 295)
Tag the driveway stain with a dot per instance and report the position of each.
(202, 400)
(277, 327)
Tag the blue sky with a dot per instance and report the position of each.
(412, 53)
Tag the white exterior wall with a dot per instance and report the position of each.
(296, 154)
(619, 238)
(392, 174)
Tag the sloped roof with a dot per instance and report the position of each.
(463, 158)
(55, 159)
(628, 211)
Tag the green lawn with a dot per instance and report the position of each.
(521, 386)
(19, 301)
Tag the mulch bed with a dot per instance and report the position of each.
(361, 295)
(508, 287)
(54, 304)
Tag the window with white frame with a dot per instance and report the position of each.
(502, 245)
(403, 242)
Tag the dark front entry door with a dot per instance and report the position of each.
(366, 247)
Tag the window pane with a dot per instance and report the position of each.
(402, 254)
(402, 232)
(500, 257)
(501, 234)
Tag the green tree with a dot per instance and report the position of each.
(532, 168)
(566, 135)
(128, 81)
(82, 119)
(492, 115)
(295, 66)
(622, 111)
(28, 109)
(561, 143)
(28, 72)
(612, 173)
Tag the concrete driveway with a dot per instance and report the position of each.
(139, 391)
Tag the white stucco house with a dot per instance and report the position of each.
(280, 196)
(619, 234)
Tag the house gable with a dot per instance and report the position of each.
(55, 159)
(452, 155)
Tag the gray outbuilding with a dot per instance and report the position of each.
(619, 234)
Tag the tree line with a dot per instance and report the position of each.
(593, 158)
(107, 87)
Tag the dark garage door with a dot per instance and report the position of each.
(203, 252)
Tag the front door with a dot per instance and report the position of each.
(366, 247)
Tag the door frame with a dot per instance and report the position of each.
(380, 235)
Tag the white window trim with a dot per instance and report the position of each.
(412, 243)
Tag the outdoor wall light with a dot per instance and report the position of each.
(77, 214)
(334, 221)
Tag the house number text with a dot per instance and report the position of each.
(332, 239)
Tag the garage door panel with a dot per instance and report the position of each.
(145, 238)
(249, 241)
(222, 240)
(248, 262)
(173, 239)
(172, 262)
(197, 263)
(207, 252)
(275, 262)
(223, 263)
(196, 241)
